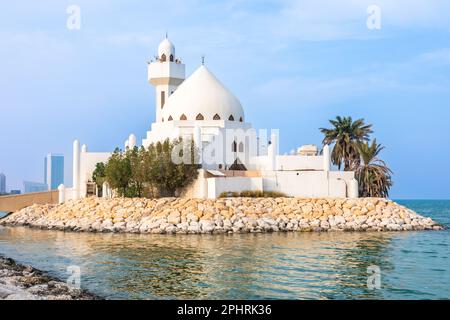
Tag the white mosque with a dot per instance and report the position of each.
(234, 157)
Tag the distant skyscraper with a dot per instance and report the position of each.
(29, 186)
(2, 183)
(53, 170)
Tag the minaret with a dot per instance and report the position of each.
(166, 74)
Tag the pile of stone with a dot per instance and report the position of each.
(224, 215)
(18, 282)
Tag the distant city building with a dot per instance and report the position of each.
(2, 183)
(53, 170)
(29, 186)
(15, 192)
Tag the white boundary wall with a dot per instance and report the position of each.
(235, 184)
(309, 184)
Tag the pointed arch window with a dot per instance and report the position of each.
(170, 118)
(163, 57)
(240, 119)
(241, 147)
(183, 117)
(171, 58)
(234, 146)
(216, 117)
(199, 117)
(231, 118)
(162, 120)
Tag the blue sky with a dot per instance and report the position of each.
(293, 65)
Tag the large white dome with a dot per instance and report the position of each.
(202, 97)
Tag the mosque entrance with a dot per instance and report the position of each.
(91, 189)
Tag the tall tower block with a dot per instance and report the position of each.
(166, 74)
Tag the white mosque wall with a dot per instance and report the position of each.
(310, 184)
(65, 194)
(287, 163)
(304, 184)
(296, 162)
(234, 184)
(258, 163)
(88, 161)
(337, 188)
(344, 175)
(68, 194)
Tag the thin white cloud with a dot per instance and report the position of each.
(314, 92)
(438, 57)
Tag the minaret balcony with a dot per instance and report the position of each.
(166, 73)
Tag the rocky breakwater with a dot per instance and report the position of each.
(18, 282)
(226, 215)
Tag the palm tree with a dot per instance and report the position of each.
(346, 134)
(374, 177)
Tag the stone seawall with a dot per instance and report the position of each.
(175, 215)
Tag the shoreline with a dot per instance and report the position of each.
(223, 215)
(21, 282)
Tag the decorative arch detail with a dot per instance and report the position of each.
(170, 118)
(171, 58)
(199, 117)
(241, 147)
(231, 118)
(163, 57)
(234, 147)
(216, 117)
(240, 119)
(183, 117)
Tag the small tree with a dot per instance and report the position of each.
(346, 134)
(118, 172)
(135, 170)
(99, 175)
(373, 175)
(137, 180)
(150, 169)
(167, 175)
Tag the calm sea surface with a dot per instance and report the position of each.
(414, 265)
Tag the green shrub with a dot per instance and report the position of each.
(148, 171)
(274, 194)
(253, 194)
(229, 195)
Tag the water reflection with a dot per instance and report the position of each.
(283, 265)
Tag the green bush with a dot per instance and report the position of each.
(229, 195)
(275, 194)
(148, 171)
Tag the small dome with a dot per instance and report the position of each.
(202, 97)
(167, 49)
